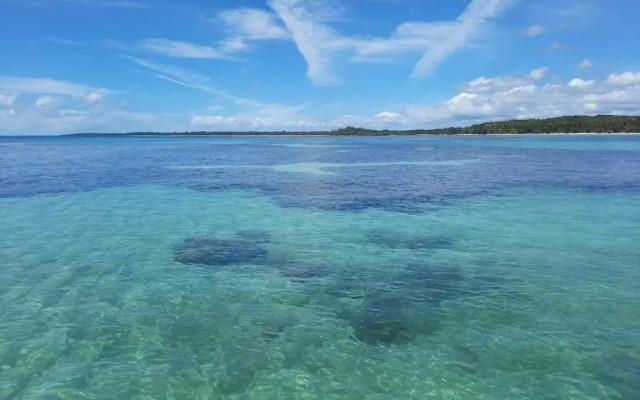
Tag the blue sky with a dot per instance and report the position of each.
(184, 65)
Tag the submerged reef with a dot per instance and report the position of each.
(381, 309)
(394, 240)
(408, 305)
(382, 321)
(245, 247)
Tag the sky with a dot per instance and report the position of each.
(263, 65)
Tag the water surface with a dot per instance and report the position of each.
(346, 268)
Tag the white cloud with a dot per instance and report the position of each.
(555, 46)
(191, 79)
(243, 25)
(619, 94)
(62, 121)
(585, 64)
(204, 120)
(7, 99)
(233, 45)
(390, 117)
(535, 30)
(43, 108)
(313, 38)
(625, 79)
(93, 98)
(468, 25)
(49, 102)
(539, 73)
(435, 41)
(172, 48)
(267, 116)
(21, 85)
(255, 24)
(292, 121)
(483, 84)
(580, 83)
(259, 115)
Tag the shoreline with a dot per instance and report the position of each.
(222, 135)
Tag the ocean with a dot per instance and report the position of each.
(320, 268)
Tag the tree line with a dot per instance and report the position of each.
(568, 124)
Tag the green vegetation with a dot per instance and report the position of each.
(569, 124)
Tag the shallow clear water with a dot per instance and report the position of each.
(273, 268)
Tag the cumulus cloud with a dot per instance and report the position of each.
(535, 30)
(625, 79)
(619, 94)
(390, 117)
(580, 83)
(49, 106)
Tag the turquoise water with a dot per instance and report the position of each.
(188, 279)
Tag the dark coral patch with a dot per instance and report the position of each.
(382, 322)
(213, 251)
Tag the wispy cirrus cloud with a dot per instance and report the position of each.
(306, 23)
(65, 42)
(252, 24)
(319, 43)
(191, 79)
(243, 25)
(172, 48)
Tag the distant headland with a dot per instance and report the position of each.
(599, 124)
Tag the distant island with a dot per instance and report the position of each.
(603, 124)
